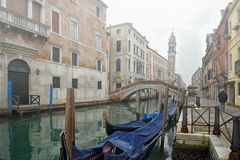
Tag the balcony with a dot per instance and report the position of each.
(237, 68)
(11, 18)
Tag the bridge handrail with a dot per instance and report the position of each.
(219, 124)
(144, 82)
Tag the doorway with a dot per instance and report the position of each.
(18, 74)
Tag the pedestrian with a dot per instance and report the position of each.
(222, 97)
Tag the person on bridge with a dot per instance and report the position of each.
(222, 97)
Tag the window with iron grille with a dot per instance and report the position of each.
(56, 82)
(74, 83)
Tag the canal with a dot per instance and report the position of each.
(36, 137)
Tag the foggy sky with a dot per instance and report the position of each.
(190, 20)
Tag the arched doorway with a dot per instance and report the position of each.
(18, 74)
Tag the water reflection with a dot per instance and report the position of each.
(37, 136)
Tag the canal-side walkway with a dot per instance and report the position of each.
(200, 134)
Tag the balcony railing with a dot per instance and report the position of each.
(11, 18)
(237, 67)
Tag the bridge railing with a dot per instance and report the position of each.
(157, 82)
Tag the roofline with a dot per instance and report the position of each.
(131, 26)
(157, 53)
(224, 18)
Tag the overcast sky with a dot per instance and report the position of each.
(191, 20)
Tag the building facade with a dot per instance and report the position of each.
(233, 87)
(207, 68)
(219, 55)
(128, 55)
(54, 44)
(171, 58)
(197, 80)
(157, 65)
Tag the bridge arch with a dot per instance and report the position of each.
(127, 91)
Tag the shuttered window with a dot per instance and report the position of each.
(56, 82)
(55, 21)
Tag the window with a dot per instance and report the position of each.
(118, 85)
(56, 82)
(98, 42)
(98, 12)
(118, 65)
(238, 88)
(55, 54)
(134, 66)
(238, 53)
(74, 83)
(129, 31)
(230, 28)
(134, 49)
(118, 31)
(55, 20)
(99, 65)
(129, 65)
(74, 29)
(119, 46)
(74, 59)
(129, 46)
(238, 15)
(99, 84)
(230, 62)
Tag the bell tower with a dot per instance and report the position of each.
(171, 55)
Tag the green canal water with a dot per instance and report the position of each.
(36, 137)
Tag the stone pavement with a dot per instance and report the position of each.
(219, 145)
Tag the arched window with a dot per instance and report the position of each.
(118, 65)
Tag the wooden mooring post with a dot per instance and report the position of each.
(184, 128)
(235, 145)
(70, 120)
(164, 116)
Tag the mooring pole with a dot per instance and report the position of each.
(50, 95)
(164, 116)
(184, 128)
(235, 145)
(159, 101)
(70, 120)
(9, 96)
(216, 130)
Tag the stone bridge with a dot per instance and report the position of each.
(130, 89)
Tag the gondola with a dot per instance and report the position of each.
(133, 125)
(130, 126)
(120, 145)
